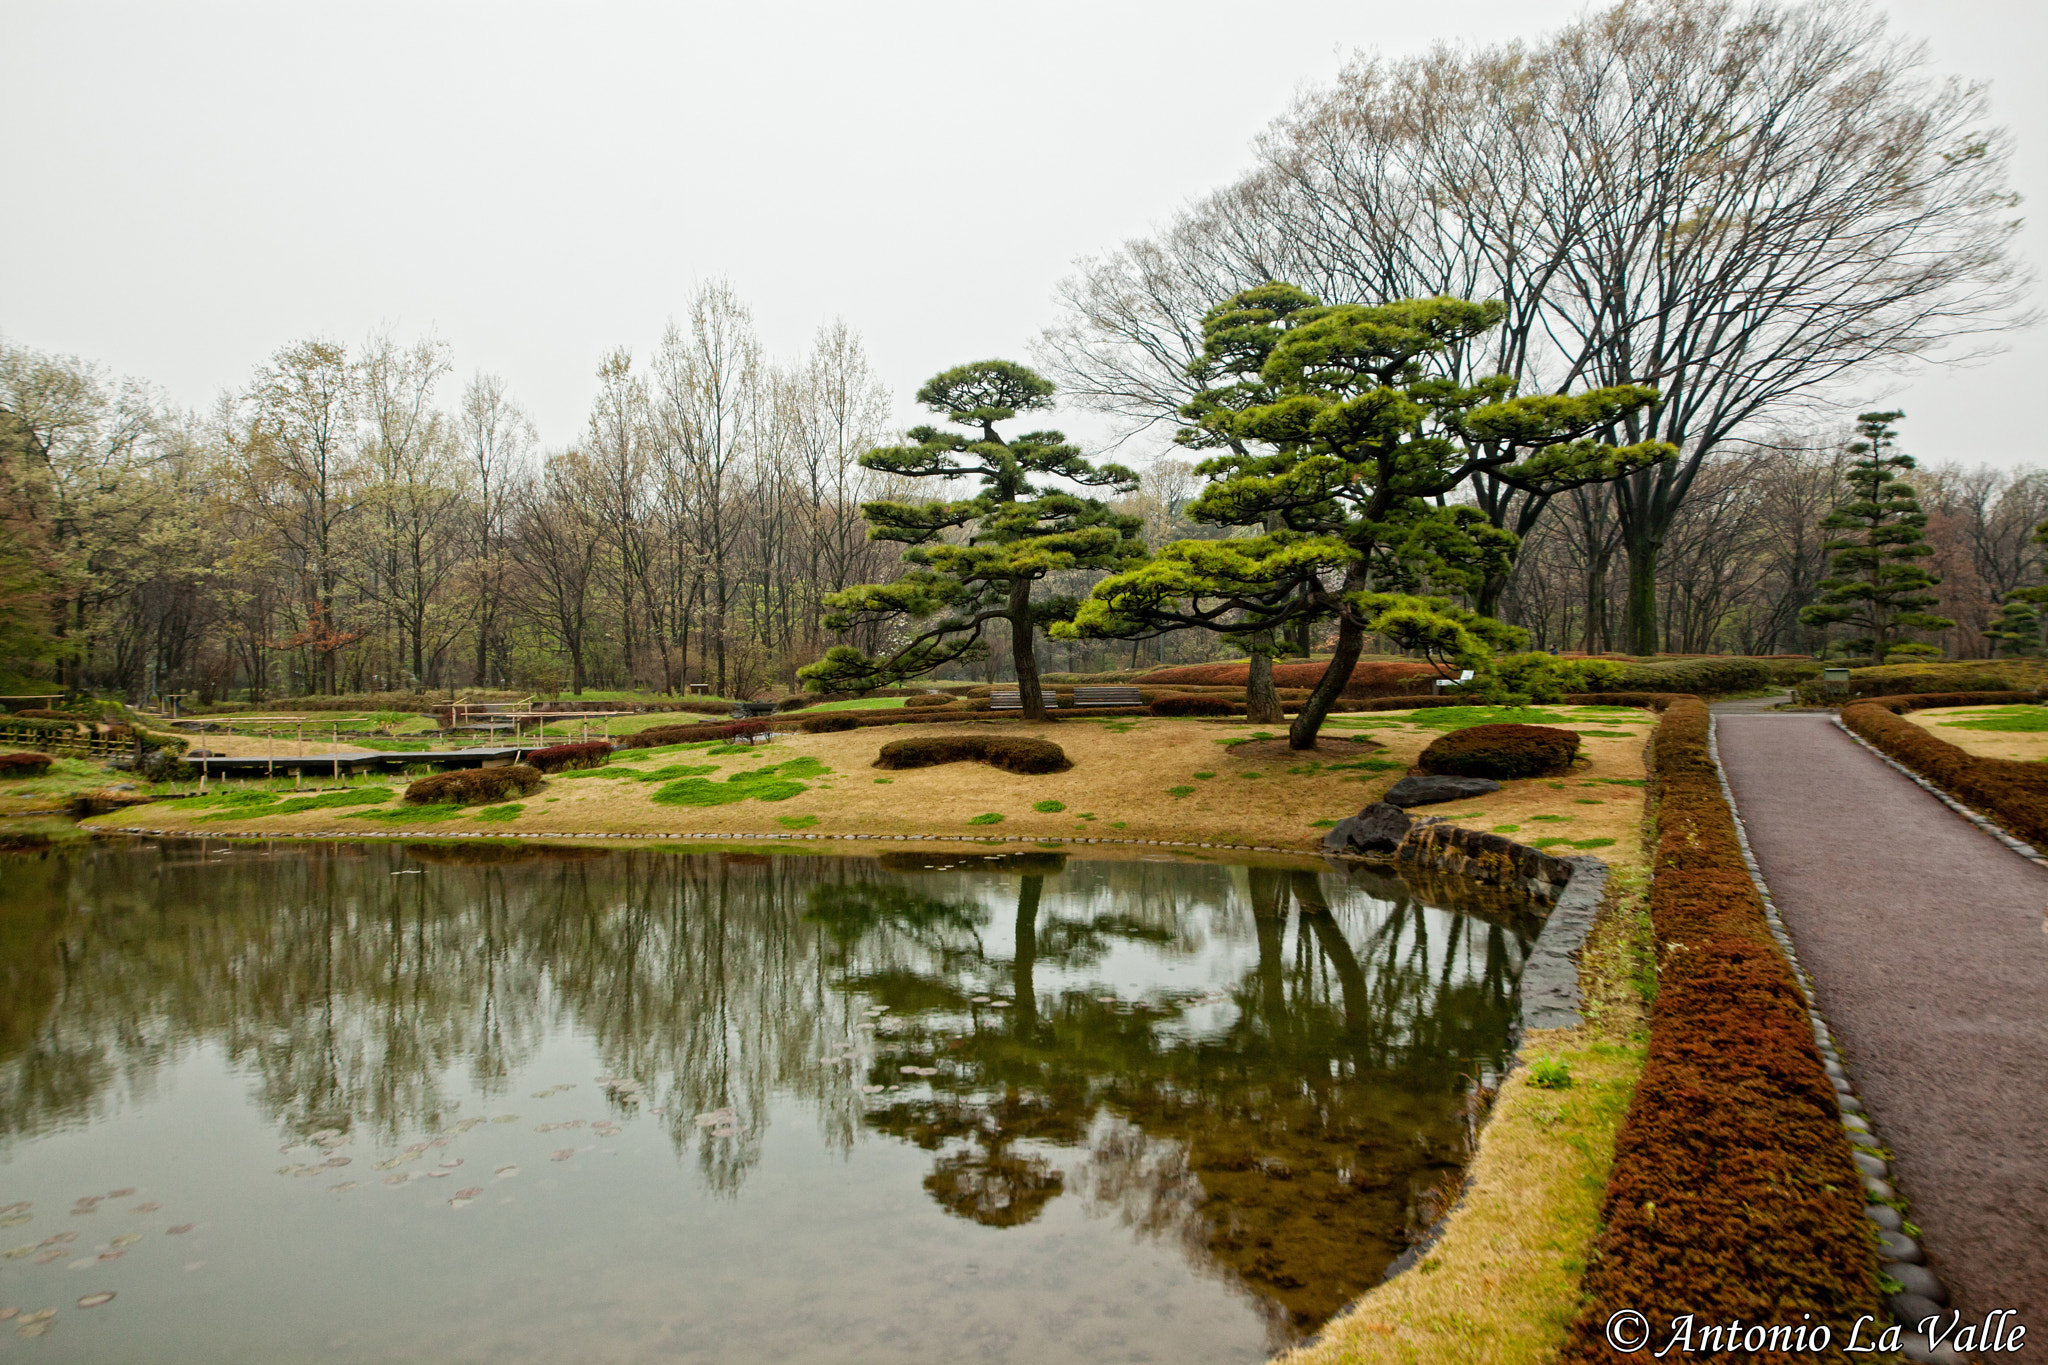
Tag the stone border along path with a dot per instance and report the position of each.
(1924, 945)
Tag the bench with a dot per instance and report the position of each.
(1107, 696)
(1010, 699)
(1459, 681)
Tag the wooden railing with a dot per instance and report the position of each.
(72, 744)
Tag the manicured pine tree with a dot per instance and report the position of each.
(2016, 630)
(1877, 582)
(1341, 433)
(976, 561)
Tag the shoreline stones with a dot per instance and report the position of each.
(1429, 789)
(1379, 828)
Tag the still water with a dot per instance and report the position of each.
(397, 1103)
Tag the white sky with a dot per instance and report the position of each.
(192, 185)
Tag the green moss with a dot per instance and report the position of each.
(987, 818)
(238, 800)
(2010, 720)
(1505, 829)
(1322, 824)
(883, 781)
(500, 814)
(1371, 765)
(1049, 807)
(1204, 777)
(796, 821)
(355, 796)
(1593, 843)
(1551, 819)
(1180, 791)
(1588, 801)
(407, 815)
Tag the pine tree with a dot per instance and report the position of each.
(976, 561)
(1877, 582)
(2016, 629)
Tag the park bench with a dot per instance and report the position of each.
(1445, 684)
(1107, 696)
(1010, 699)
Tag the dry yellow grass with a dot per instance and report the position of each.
(257, 746)
(2022, 745)
(1142, 779)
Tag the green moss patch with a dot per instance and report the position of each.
(2011, 720)
(776, 782)
(500, 814)
(404, 815)
(271, 805)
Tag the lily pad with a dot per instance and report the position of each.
(105, 1296)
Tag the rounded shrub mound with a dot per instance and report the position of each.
(1501, 751)
(474, 786)
(24, 765)
(829, 722)
(928, 699)
(1009, 752)
(594, 754)
(1193, 706)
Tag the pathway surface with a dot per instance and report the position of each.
(1925, 939)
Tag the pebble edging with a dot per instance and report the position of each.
(714, 836)
(1983, 822)
(1921, 1294)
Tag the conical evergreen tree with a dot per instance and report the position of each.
(2016, 630)
(1878, 583)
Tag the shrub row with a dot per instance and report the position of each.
(1501, 751)
(655, 736)
(24, 765)
(1368, 679)
(1010, 752)
(1195, 706)
(925, 699)
(593, 754)
(1732, 1193)
(474, 786)
(1898, 681)
(2013, 793)
(828, 722)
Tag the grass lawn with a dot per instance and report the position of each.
(2019, 732)
(1133, 778)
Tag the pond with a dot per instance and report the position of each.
(331, 1102)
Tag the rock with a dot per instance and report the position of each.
(1917, 1279)
(1913, 1309)
(1869, 1165)
(1885, 1216)
(1897, 1246)
(1430, 791)
(1878, 1189)
(1850, 1104)
(1378, 828)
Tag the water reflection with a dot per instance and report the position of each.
(1269, 1070)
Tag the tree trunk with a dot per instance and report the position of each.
(1642, 594)
(1487, 600)
(1350, 643)
(1597, 632)
(1022, 652)
(1261, 698)
(1024, 996)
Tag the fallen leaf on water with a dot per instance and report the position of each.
(20, 1206)
(562, 1155)
(33, 1329)
(472, 1192)
(16, 1253)
(120, 1194)
(50, 1256)
(343, 1188)
(82, 1263)
(871, 1090)
(336, 1162)
(451, 1163)
(112, 1255)
(436, 1175)
(59, 1238)
(127, 1239)
(95, 1300)
(725, 1130)
(396, 1179)
(15, 1220)
(181, 1228)
(6, 1313)
(506, 1172)
(460, 1203)
(145, 1208)
(504, 1118)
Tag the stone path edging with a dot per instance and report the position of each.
(1900, 1256)
(1983, 822)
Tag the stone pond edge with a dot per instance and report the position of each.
(1899, 1256)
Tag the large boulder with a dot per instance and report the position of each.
(1379, 828)
(1434, 788)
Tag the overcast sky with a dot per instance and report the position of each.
(192, 186)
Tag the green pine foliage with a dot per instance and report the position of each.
(1877, 584)
(2016, 631)
(974, 561)
(1339, 434)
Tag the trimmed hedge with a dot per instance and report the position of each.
(926, 699)
(1368, 678)
(593, 754)
(1732, 1193)
(1501, 751)
(1195, 706)
(474, 786)
(24, 765)
(828, 723)
(654, 737)
(1012, 753)
(2011, 792)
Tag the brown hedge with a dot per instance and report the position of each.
(594, 754)
(1011, 752)
(655, 736)
(2011, 792)
(1732, 1194)
(828, 722)
(24, 765)
(927, 699)
(1195, 706)
(474, 786)
(1501, 751)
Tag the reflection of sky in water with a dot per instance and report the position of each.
(1125, 1178)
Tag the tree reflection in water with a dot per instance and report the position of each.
(1268, 1068)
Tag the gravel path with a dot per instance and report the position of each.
(1927, 944)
